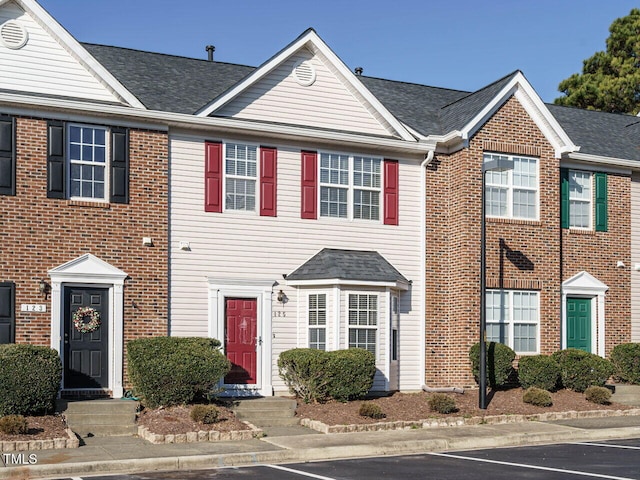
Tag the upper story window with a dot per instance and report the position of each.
(512, 193)
(350, 186)
(584, 200)
(87, 155)
(513, 318)
(241, 172)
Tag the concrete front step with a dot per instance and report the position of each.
(101, 418)
(626, 394)
(266, 411)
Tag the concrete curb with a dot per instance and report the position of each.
(312, 454)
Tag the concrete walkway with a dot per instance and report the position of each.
(101, 455)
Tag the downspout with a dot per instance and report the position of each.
(427, 160)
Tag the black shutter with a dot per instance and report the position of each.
(7, 312)
(119, 165)
(7, 155)
(56, 162)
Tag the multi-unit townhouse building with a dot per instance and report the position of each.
(301, 204)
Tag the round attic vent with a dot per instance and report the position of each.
(304, 73)
(13, 35)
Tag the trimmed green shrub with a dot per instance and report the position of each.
(579, 369)
(30, 378)
(350, 373)
(13, 425)
(499, 364)
(175, 370)
(371, 410)
(206, 414)
(599, 395)
(303, 370)
(537, 396)
(626, 362)
(442, 403)
(540, 371)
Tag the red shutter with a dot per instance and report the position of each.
(390, 192)
(268, 181)
(213, 177)
(309, 185)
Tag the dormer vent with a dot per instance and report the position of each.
(304, 73)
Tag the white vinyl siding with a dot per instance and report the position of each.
(512, 193)
(328, 103)
(264, 248)
(43, 66)
(580, 199)
(513, 318)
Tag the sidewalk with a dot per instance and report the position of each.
(129, 454)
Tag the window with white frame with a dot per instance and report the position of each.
(241, 172)
(87, 155)
(580, 199)
(513, 318)
(363, 321)
(512, 193)
(350, 186)
(318, 321)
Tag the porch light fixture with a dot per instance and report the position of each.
(281, 296)
(499, 164)
(620, 264)
(147, 242)
(43, 288)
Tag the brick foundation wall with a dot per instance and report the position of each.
(38, 233)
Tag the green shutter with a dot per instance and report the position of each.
(564, 198)
(601, 202)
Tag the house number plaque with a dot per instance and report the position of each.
(32, 307)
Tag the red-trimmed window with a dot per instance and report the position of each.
(240, 177)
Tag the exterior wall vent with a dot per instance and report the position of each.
(304, 73)
(13, 35)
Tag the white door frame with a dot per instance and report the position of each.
(261, 290)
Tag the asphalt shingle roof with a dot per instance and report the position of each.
(357, 265)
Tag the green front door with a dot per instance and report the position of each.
(579, 323)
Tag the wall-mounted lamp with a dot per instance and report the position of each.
(147, 242)
(185, 246)
(620, 264)
(43, 288)
(281, 296)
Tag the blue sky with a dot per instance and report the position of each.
(463, 44)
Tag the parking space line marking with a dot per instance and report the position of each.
(628, 447)
(533, 467)
(299, 472)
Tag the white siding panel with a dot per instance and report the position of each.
(327, 103)
(43, 66)
(246, 246)
(635, 257)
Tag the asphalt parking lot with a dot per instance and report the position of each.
(614, 460)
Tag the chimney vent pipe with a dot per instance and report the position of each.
(210, 49)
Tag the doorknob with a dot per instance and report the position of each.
(259, 340)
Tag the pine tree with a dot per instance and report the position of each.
(610, 80)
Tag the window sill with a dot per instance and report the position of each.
(577, 231)
(85, 203)
(512, 221)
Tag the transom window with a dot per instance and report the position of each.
(87, 154)
(363, 321)
(512, 193)
(241, 171)
(513, 318)
(318, 321)
(350, 186)
(580, 199)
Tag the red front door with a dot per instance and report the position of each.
(241, 330)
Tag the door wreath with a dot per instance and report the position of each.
(86, 327)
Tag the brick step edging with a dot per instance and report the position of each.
(200, 436)
(71, 441)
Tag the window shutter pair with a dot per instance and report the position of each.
(213, 178)
(601, 208)
(309, 189)
(7, 312)
(57, 163)
(7, 155)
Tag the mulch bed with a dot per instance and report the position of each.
(177, 420)
(44, 427)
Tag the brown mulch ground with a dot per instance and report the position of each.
(414, 406)
(174, 420)
(40, 428)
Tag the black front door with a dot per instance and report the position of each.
(85, 352)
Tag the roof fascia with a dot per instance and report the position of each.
(20, 103)
(312, 39)
(598, 159)
(535, 107)
(54, 28)
(400, 285)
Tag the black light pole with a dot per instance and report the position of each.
(482, 398)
